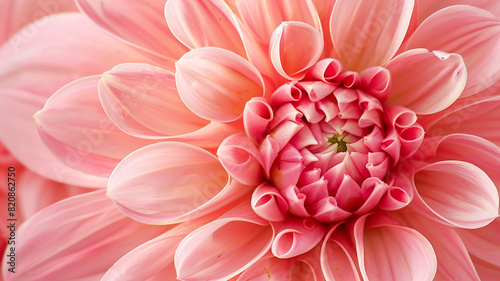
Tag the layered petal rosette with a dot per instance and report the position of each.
(289, 140)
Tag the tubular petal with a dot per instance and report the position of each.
(27, 79)
(263, 16)
(241, 159)
(294, 48)
(223, 248)
(295, 237)
(268, 203)
(256, 117)
(392, 252)
(140, 98)
(204, 23)
(140, 23)
(215, 84)
(437, 81)
(174, 181)
(84, 232)
(93, 145)
(456, 193)
(377, 81)
(469, 31)
(368, 33)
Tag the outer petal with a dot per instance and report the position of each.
(16, 14)
(91, 144)
(263, 16)
(215, 84)
(437, 80)
(391, 252)
(368, 33)
(140, 98)
(471, 32)
(204, 23)
(429, 7)
(271, 268)
(456, 193)
(84, 232)
(139, 23)
(223, 248)
(294, 48)
(483, 242)
(470, 116)
(453, 259)
(27, 79)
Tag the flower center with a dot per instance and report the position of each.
(329, 149)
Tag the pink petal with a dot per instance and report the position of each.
(262, 17)
(486, 270)
(472, 116)
(204, 23)
(27, 79)
(294, 48)
(215, 84)
(453, 259)
(429, 7)
(16, 14)
(241, 159)
(377, 81)
(149, 30)
(223, 248)
(138, 98)
(271, 268)
(368, 33)
(471, 32)
(325, 70)
(171, 181)
(400, 117)
(483, 242)
(268, 203)
(437, 80)
(84, 232)
(295, 237)
(256, 117)
(338, 256)
(92, 144)
(391, 252)
(456, 193)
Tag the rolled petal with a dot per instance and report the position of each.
(456, 193)
(294, 48)
(223, 248)
(92, 144)
(262, 17)
(377, 82)
(142, 101)
(167, 182)
(256, 117)
(241, 159)
(268, 203)
(84, 232)
(368, 33)
(325, 70)
(437, 80)
(295, 237)
(452, 255)
(205, 23)
(27, 79)
(399, 116)
(388, 251)
(411, 139)
(215, 84)
(469, 31)
(149, 32)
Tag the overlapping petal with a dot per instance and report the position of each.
(84, 232)
(27, 79)
(456, 193)
(139, 23)
(215, 84)
(428, 7)
(223, 248)
(470, 32)
(140, 98)
(437, 80)
(368, 33)
(92, 144)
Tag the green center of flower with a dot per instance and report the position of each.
(339, 141)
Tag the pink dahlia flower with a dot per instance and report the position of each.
(262, 140)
